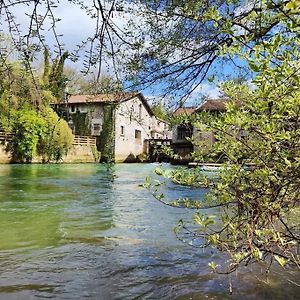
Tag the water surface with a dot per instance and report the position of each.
(85, 232)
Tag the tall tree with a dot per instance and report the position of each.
(53, 77)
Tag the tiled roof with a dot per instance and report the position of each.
(213, 105)
(106, 98)
(184, 110)
(76, 99)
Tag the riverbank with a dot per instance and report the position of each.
(77, 154)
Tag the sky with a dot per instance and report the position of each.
(76, 26)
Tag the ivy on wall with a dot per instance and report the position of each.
(81, 123)
(106, 141)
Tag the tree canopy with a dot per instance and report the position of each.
(252, 209)
(176, 44)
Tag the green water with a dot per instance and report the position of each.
(85, 232)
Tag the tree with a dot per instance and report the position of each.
(187, 39)
(53, 77)
(175, 44)
(105, 84)
(256, 197)
(57, 138)
(24, 103)
(29, 127)
(160, 111)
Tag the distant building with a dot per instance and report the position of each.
(182, 132)
(214, 107)
(121, 122)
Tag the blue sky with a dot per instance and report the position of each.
(76, 26)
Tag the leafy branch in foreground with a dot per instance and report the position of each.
(252, 211)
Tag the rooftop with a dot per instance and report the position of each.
(213, 105)
(184, 111)
(104, 98)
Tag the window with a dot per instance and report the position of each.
(131, 112)
(122, 109)
(96, 127)
(138, 136)
(184, 131)
(122, 130)
(140, 111)
(72, 108)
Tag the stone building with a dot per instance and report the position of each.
(121, 122)
(182, 132)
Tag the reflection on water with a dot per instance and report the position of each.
(85, 232)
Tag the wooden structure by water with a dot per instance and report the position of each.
(156, 149)
(5, 137)
(80, 140)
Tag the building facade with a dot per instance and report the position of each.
(121, 122)
(182, 132)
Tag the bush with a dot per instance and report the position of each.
(57, 139)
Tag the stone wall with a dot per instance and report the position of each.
(133, 125)
(5, 157)
(81, 154)
(77, 154)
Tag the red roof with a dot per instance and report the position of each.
(184, 111)
(213, 105)
(104, 98)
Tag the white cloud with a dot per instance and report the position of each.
(206, 90)
(75, 25)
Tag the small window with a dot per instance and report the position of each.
(122, 130)
(72, 108)
(138, 136)
(140, 111)
(96, 127)
(131, 113)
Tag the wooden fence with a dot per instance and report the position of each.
(84, 140)
(78, 139)
(5, 137)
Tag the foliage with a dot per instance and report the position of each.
(186, 39)
(175, 43)
(57, 140)
(29, 127)
(25, 111)
(160, 111)
(106, 139)
(105, 84)
(53, 77)
(19, 88)
(81, 125)
(43, 134)
(252, 211)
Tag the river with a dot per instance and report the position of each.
(87, 232)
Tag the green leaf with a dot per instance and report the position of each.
(213, 265)
(282, 261)
(253, 66)
(159, 171)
